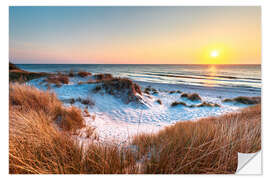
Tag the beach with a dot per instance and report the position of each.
(133, 89)
(118, 121)
(95, 110)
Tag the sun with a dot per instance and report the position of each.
(214, 54)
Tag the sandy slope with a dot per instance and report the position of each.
(117, 120)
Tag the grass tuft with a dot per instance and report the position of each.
(57, 80)
(244, 100)
(192, 97)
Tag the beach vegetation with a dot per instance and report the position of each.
(208, 104)
(245, 100)
(192, 96)
(208, 145)
(103, 77)
(71, 73)
(159, 101)
(149, 90)
(84, 73)
(58, 80)
(18, 75)
(177, 103)
(42, 141)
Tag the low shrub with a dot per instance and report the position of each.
(13, 66)
(103, 76)
(150, 90)
(97, 89)
(244, 100)
(122, 87)
(58, 80)
(192, 97)
(208, 104)
(84, 74)
(71, 73)
(176, 103)
(159, 101)
(86, 101)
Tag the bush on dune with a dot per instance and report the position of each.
(71, 73)
(123, 88)
(245, 100)
(150, 90)
(203, 104)
(12, 66)
(177, 103)
(58, 80)
(208, 104)
(86, 101)
(159, 101)
(84, 73)
(209, 145)
(103, 76)
(18, 75)
(192, 97)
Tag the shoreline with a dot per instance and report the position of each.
(88, 121)
(115, 120)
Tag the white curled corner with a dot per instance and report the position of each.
(249, 163)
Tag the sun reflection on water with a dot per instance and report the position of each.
(210, 79)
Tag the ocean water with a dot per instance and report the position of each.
(246, 77)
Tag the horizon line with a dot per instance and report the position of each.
(127, 64)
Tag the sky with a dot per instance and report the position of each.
(135, 35)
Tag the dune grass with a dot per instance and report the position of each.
(209, 145)
(41, 141)
(18, 75)
(57, 80)
(38, 146)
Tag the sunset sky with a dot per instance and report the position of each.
(135, 35)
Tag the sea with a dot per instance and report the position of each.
(246, 77)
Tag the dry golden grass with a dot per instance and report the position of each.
(37, 145)
(209, 145)
(58, 79)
